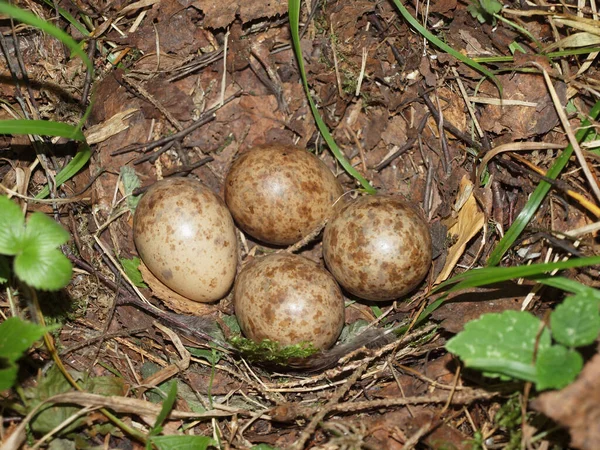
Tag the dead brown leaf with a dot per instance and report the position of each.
(220, 13)
(577, 407)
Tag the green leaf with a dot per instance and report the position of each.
(16, 336)
(556, 367)
(515, 47)
(294, 18)
(491, 6)
(41, 128)
(4, 269)
(377, 311)
(31, 19)
(211, 356)
(130, 183)
(11, 226)
(131, 268)
(576, 321)
(37, 261)
(182, 442)
(232, 324)
(44, 233)
(501, 344)
(48, 270)
(350, 331)
(263, 447)
(167, 406)
(52, 383)
(536, 199)
(70, 170)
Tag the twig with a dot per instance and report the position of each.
(88, 75)
(206, 117)
(448, 126)
(409, 144)
(320, 415)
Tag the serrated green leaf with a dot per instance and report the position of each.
(508, 337)
(4, 269)
(263, 447)
(576, 321)
(48, 270)
(556, 367)
(16, 336)
(12, 224)
(44, 233)
(131, 268)
(182, 442)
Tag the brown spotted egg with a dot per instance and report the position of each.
(378, 247)
(288, 299)
(279, 194)
(185, 235)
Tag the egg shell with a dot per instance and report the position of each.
(378, 247)
(186, 237)
(288, 299)
(279, 194)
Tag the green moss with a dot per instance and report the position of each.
(268, 351)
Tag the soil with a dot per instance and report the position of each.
(181, 88)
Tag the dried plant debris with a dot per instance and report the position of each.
(185, 89)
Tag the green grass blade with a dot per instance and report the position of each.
(31, 19)
(69, 171)
(569, 285)
(539, 194)
(294, 17)
(69, 18)
(443, 46)
(41, 128)
(491, 275)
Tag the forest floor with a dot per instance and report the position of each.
(207, 80)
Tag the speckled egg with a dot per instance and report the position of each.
(288, 299)
(186, 237)
(279, 194)
(378, 247)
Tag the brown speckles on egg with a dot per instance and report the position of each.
(288, 299)
(378, 247)
(280, 194)
(182, 248)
